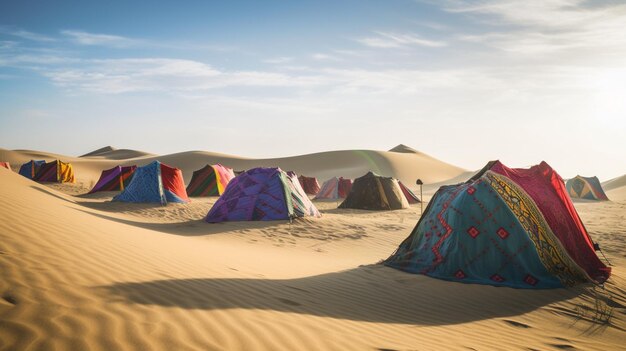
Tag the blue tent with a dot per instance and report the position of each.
(155, 182)
(30, 168)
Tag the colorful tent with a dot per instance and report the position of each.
(408, 194)
(503, 227)
(30, 168)
(373, 192)
(211, 180)
(114, 179)
(262, 194)
(310, 185)
(55, 171)
(334, 188)
(588, 188)
(155, 182)
(5, 165)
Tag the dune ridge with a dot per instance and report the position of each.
(347, 163)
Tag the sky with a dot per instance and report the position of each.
(463, 81)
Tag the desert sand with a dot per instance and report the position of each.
(79, 272)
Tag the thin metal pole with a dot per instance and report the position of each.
(421, 201)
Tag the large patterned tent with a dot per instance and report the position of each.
(155, 182)
(55, 171)
(408, 194)
(373, 192)
(30, 168)
(210, 180)
(262, 194)
(310, 184)
(334, 188)
(588, 188)
(114, 179)
(503, 227)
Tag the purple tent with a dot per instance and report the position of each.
(262, 194)
(114, 179)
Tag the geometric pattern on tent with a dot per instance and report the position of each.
(262, 194)
(155, 182)
(211, 180)
(588, 188)
(492, 230)
(114, 179)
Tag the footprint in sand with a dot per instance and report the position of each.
(517, 324)
(10, 299)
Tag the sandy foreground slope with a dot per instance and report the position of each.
(83, 273)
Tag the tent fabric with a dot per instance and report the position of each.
(310, 185)
(114, 179)
(588, 188)
(5, 165)
(491, 230)
(30, 168)
(334, 188)
(374, 192)
(262, 194)
(155, 182)
(408, 194)
(211, 180)
(55, 171)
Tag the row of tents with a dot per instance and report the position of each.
(211, 180)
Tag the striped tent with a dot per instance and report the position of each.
(334, 189)
(310, 185)
(504, 227)
(262, 194)
(408, 194)
(374, 192)
(30, 168)
(114, 179)
(588, 188)
(210, 180)
(155, 182)
(5, 165)
(56, 171)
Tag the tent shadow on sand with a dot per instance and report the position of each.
(372, 293)
(191, 227)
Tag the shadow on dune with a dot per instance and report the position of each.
(371, 293)
(196, 227)
(47, 192)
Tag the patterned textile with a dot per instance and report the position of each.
(5, 165)
(155, 182)
(310, 185)
(334, 188)
(588, 188)
(547, 190)
(55, 171)
(373, 192)
(30, 168)
(114, 179)
(489, 230)
(408, 194)
(211, 180)
(262, 194)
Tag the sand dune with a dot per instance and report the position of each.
(80, 272)
(324, 165)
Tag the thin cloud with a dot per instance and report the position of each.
(20, 33)
(93, 39)
(396, 40)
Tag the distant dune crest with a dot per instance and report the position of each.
(404, 149)
(112, 153)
